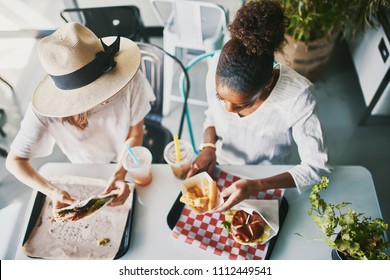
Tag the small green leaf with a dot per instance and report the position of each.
(342, 245)
(226, 225)
(347, 220)
(342, 205)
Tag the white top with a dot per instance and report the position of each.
(101, 141)
(266, 135)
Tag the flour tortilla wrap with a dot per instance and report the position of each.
(84, 208)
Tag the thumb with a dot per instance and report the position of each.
(191, 172)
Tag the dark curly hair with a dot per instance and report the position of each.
(246, 61)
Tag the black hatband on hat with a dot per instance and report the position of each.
(103, 63)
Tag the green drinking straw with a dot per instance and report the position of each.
(132, 154)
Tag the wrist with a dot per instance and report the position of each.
(50, 190)
(207, 145)
(262, 185)
(120, 173)
(55, 194)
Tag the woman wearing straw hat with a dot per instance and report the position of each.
(257, 110)
(93, 99)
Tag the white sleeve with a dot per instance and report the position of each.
(210, 90)
(141, 96)
(308, 136)
(33, 139)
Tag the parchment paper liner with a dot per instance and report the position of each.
(79, 239)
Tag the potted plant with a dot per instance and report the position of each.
(366, 13)
(352, 234)
(315, 25)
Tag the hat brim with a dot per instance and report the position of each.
(50, 101)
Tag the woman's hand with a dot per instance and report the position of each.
(237, 192)
(205, 161)
(26, 173)
(120, 187)
(242, 188)
(62, 199)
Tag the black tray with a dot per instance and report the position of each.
(177, 208)
(37, 208)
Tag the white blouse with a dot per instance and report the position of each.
(266, 135)
(101, 141)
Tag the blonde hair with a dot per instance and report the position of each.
(80, 121)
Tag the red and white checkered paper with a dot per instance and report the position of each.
(204, 231)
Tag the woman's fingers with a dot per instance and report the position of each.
(234, 194)
(123, 191)
(193, 170)
(229, 203)
(64, 200)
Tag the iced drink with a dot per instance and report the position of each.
(142, 171)
(179, 167)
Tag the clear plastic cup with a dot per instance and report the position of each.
(179, 168)
(141, 173)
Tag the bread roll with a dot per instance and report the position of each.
(247, 228)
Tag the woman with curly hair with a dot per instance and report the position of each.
(258, 109)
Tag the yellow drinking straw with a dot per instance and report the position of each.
(177, 148)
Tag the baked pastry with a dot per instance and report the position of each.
(245, 228)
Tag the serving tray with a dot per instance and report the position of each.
(179, 209)
(37, 209)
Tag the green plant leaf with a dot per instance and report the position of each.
(347, 219)
(342, 205)
(343, 245)
(315, 19)
(360, 237)
(226, 225)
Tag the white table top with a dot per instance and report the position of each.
(153, 202)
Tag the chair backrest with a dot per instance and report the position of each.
(10, 116)
(152, 65)
(157, 136)
(193, 21)
(122, 21)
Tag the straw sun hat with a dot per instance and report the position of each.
(82, 71)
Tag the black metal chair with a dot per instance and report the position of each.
(9, 112)
(156, 135)
(122, 21)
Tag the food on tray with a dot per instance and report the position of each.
(104, 241)
(52, 238)
(82, 209)
(201, 197)
(246, 228)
